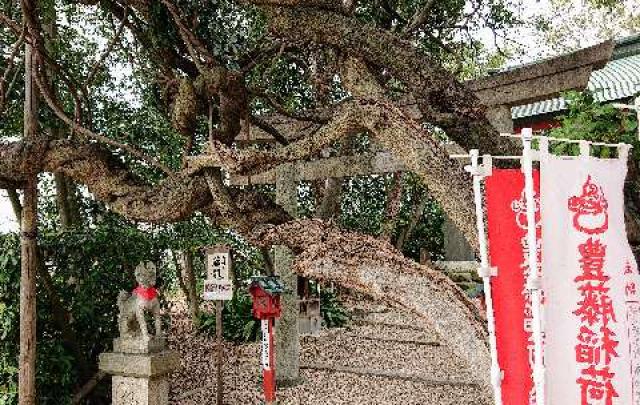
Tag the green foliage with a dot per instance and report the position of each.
(364, 206)
(593, 121)
(239, 326)
(9, 318)
(568, 27)
(238, 323)
(88, 267)
(334, 314)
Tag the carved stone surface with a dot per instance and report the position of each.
(137, 345)
(139, 391)
(456, 247)
(140, 379)
(139, 365)
(287, 337)
(542, 80)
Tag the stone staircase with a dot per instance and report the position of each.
(463, 273)
(386, 349)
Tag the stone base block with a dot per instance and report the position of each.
(139, 365)
(140, 378)
(139, 345)
(140, 391)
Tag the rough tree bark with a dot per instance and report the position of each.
(443, 100)
(416, 215)
(189, 279)
(375, 268)
(28, 241)
(394, 200)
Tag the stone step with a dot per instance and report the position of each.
(364, 350)
(396, 341)
(390, 374)
(393, 330)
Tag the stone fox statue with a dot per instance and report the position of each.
(133, 306)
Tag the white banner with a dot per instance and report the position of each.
(589, 281)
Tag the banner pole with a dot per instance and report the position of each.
(485, 271)
(533, 281)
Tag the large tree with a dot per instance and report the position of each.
(328, 70)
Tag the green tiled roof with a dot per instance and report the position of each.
(271, 284)
(618, 80)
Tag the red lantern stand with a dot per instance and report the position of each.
(265, 292)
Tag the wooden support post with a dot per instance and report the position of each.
(220, 383)
(287, 338)
(27, 360)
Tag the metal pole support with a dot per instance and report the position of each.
(479, 172)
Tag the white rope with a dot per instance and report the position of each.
(492, 157)
(564, 140)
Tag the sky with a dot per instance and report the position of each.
(526, 36)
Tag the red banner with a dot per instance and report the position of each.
(508, 250)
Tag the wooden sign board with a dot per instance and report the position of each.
(218, 285)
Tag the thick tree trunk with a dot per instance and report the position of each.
(27, 361)
(27, 364)
(66, 198)
(59, 313)
(189, 279)
(394, 200)
(62, 201)
(416, 215)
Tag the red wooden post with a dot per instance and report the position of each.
(269, 361)
(266, 307)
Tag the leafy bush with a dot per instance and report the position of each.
(587, 119)
(334, 314)
(87, 267)
(238, 323)
(239, 326)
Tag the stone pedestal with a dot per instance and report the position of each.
(140, 371)
(136, 345)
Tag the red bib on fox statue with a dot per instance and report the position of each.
(146, 293)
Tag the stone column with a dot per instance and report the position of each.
(456, 247)
(140, 371)
(287, 333)
(500, 117)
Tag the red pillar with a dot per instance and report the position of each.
(268, 361)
